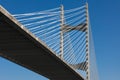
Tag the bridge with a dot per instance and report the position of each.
(55, 43)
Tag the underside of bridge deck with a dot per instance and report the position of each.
(20, 47)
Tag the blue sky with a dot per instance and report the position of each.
(104, 17)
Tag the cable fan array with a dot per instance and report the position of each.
(75, 39)
(46, 25)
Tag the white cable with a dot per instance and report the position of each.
(39, 22)
(74, 14)
(38, 17)
(65, 44)
(40, 26)
(81, 35)
(75, 19)
(47, 32)
(71, 51)
(52, 38)
(41, 30)
(82, 21)
(80, 51)
(36, 13)
(71, 10)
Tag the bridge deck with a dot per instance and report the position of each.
(21, 47)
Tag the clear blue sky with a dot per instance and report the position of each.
(105, 21)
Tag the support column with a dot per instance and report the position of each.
(61, 32)
(87, 45)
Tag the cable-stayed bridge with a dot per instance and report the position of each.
(55, 43)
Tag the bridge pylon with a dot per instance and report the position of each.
(83, 27)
